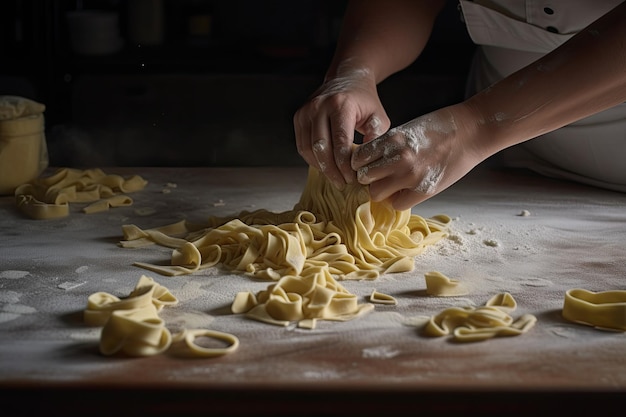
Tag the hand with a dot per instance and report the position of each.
(325, 125)
(417, 160)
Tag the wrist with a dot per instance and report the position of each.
(474, 135)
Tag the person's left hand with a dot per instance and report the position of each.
(413, 162)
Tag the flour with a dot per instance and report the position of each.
(431, 180)
(9, 296)
(70, 285)
(380, 352)
(343, 83)
(374, 126)
(18, 309)
(11, 274)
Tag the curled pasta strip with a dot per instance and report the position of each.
(106, 203)
(468, 324)
(132, 325)
(101, 305)
(380, 298)
(49, 197)
(184, 343)
(439, 285)
(314, 295)
(135, 332)
(604, 310)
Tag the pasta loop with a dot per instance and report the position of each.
(184, 343)
(603, 310)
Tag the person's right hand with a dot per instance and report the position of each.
(325, 124)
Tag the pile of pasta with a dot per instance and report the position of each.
(330, 235)
(132, 325)
(49, 197)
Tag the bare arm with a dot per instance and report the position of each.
(584, 76)
(383, 37)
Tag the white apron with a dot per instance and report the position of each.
(514, 33)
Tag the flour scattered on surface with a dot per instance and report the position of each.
(323, 375)
(380, 352)
(18, 309)
(13, 274)
(145, 211)
(9, 296)
(69, 285)
(4, 317)
(179, 320)
(81, 269)
(9, 307)
(524, 213)
(92, 334)
(535, 282)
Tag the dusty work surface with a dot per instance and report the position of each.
(571, 236)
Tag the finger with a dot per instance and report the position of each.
(406, 199)
(303, 139)
(386, 185)
(323, 152)
(342, 128)
(367, 153)
(374, 127)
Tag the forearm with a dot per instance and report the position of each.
(382, 37)
(584, 76)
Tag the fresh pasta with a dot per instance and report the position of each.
(469, 324)
(329, 235)
(603, 310)
(49, 197)
(437, 284)
(132, 325)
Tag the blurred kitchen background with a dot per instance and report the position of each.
(195, 82)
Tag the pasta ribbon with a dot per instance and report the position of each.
(603, 310)
(439, 285)
(468, 324)
(184, 343)
(132, 325)
(49, 197)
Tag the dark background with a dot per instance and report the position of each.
(220, 95)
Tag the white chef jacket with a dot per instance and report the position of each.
(511, 34)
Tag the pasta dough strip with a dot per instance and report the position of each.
(49, 197)
(604, 310)
(467, 324)
(184, 343)
(133, 326)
